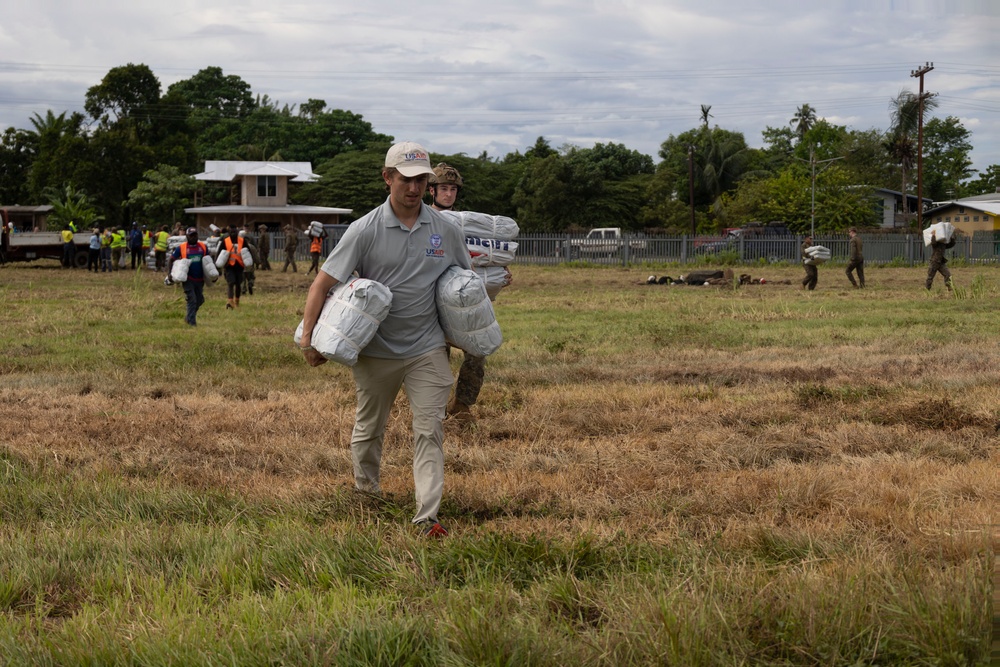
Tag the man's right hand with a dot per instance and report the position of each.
(313, 358)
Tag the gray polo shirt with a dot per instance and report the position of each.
(409, 262)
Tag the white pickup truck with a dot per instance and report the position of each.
(604, 242)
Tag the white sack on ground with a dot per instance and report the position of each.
(179, 270)
(208, 266)
(486, 226)
(490, 252)
(816, 255)
(350, 317)
(943, 231)
(466, 313)
(494, 277)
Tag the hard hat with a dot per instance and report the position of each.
(445, 173)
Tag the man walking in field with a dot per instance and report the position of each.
(939, 263)
(444, 186)
(291, 243)
(856, 260)
(406, 246)
(812, 273)
(264, 247)
(194, 286)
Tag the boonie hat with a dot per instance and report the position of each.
(409, 158)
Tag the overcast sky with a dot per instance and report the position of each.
(468, 77)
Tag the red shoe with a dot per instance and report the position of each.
(431, 528)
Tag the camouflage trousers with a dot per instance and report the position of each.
(812, 277)
(470, 379)
(859, 265)
(935, 268)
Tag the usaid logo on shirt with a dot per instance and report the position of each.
(435, 250)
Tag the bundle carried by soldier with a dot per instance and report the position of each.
(941, 231)
(816, 255)
(491, 244)
(466, 312)
(349, 319)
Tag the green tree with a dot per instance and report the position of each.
(986, 183)
(72, 205)
(788, 197)
(126, 96)
(901, 143)
(162, 195)
(541, 149)
(15, 163)
(803, 120)
(720, 157)
(946, 158)
(57, 145)
(350, 180)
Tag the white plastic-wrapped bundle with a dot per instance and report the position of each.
(315, 229)
(816, 255)
(466, 312)
(350, 317)
(179, 270)
(490, 252)
(247, 257)
(208, 266)
(222, 259)
(486, 226)
(494, 277)
(942, 231)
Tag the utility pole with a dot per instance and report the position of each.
(812, 168)
(691, 188)
(920, 143)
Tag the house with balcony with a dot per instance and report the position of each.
(260, 196)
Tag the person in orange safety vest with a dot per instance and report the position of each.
(234, 267)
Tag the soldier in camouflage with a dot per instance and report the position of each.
(444, 186)
(291, 243)
(856, 260)
(939, 263)
(812, 273)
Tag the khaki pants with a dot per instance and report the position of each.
(427, 381)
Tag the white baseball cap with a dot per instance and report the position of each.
(409, 158)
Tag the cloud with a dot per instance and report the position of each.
(471, 77)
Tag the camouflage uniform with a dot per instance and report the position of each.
(249, 273)
(812, 273)
(470, 379)
(264, 249)
(291, 243)
(856, 261)
(939, 262)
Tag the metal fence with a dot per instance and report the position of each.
(907, 249)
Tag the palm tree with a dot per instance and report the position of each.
(803, 120)
(904, 113)
(705, 108)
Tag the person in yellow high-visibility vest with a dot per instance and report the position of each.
(160, 248)
(69, 249)
(146, 242)
(118, 245)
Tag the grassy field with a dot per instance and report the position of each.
(658, 475)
